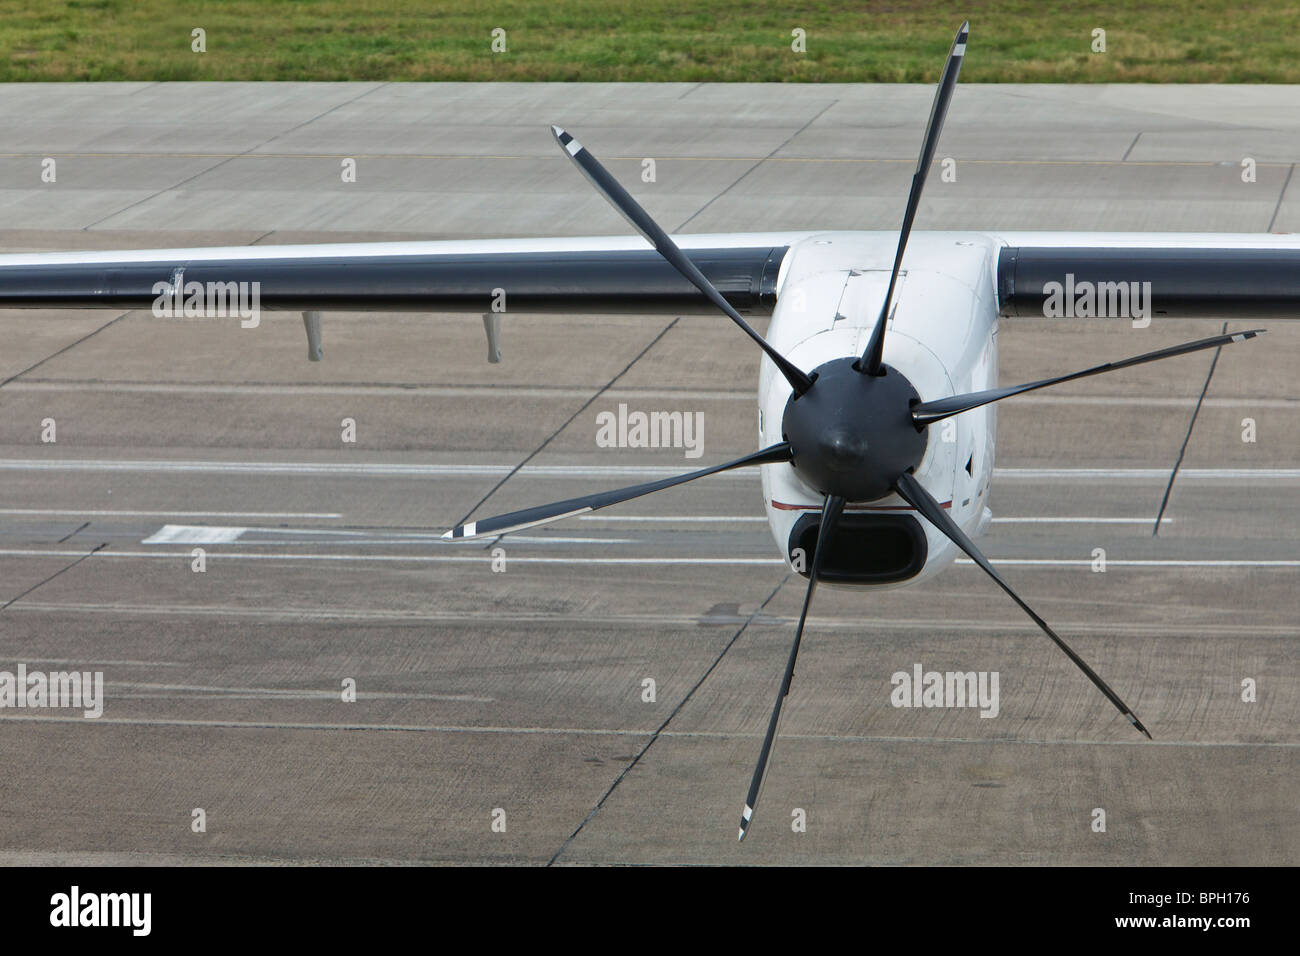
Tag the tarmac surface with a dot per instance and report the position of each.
(484, 695)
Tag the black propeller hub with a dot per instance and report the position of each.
(852, 435)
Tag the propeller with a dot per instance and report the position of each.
(911, 491)
(545, 514)
(620, 199)
(831, 511)
(858, 435)
(927, 413)
(872, 354)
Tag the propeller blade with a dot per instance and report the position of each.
(830, 515)
(927, 413)
(915, 495)
(618, 197)
(545, 514)
(871, 355)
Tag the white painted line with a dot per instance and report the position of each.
(389, 391)
(759, 519)
(1153, 401)
(298, 692)
(572, 561)
(415, 390)
(1139, 563)
(82, 662)
(345, 469)
(611, 732)
(1051, 519)
(349, 533)
(1150, 474)
(385, 391)
(516, 538)
(91, 513)
(304, 615)
(594, 472)
(417, 558)
(379, 536)
(679, 519)
(481, 540)
(398, 541)
(193, 534)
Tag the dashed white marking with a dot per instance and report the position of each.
(193, 534)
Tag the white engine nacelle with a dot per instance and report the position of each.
(942, 338)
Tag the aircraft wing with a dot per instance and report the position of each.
(602, 274)
(1190, 275)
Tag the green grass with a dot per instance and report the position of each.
(612, 40)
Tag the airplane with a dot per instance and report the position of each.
(874, 339)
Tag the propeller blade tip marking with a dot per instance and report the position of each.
(959, 45)
(561, 135)
(571, 145)
(745, 817)
(463, 531)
